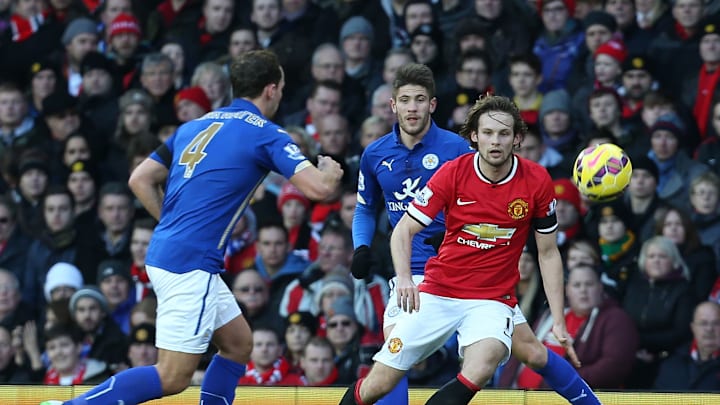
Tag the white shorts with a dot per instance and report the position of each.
(392, 311)
(191, 306)
(419, 334)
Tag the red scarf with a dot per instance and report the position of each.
(23, 28)
(696, 355)
(52, 377)
(715, 291)
(273, 376)
(92, 5)
(682, 32)
(703, 100)
(143, 287)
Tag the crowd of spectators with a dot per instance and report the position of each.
(89, 88)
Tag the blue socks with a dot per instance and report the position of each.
(221, 379)
(562, 377)
(133, 386)
(398, 395)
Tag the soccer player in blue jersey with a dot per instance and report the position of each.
(210, 169)
(393, 169)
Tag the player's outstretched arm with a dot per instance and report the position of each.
(401, 248)
(551, 269)
(146, 182)
(318, 183)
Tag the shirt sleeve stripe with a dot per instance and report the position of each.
(548, 230)
(418, 216)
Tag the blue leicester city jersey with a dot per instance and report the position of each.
(215, 164)
(392, 173)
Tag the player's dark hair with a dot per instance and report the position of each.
(490, 103)
(252, 71)
(414, 74)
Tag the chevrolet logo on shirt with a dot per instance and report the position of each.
(489, 232)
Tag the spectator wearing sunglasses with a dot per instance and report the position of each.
(352, 358)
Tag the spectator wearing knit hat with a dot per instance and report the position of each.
(294, 208)
(142, 350)
(676, 169)
(300, 328)
(191, 103)
(114, 280)
(44, 77)
(599, 27)
(62, 281)
(356, 39)
(641, 196)
(637, 81)
(124, 46)
(556, 124)
(79, 38)
(426, 44)
(83, 181)
(98, 97)
(700, 89)
(102, 337)
(607, 71)
(559, 44)
(569, 211)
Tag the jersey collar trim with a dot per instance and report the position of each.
(481, 176)
(242, 104)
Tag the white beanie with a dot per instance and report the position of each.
(62, 274)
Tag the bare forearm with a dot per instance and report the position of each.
(150, 197)
(552, 274)
(401, 249)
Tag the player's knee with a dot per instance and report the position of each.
(373, 388)
(535, 355)
(479, 373)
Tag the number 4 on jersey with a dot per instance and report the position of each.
(194, 153)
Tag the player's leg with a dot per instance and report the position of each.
(485, 339)
(399, 394)
(233, 339)
(413, 338)
(182, 298)
(557, 372)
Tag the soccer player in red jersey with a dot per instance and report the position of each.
(491, 200)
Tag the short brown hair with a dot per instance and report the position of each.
(414, 74)
(252, 71)
(489, 103)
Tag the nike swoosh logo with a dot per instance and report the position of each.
(461, 202)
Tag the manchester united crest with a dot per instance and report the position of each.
(395, 345)
(518, 208)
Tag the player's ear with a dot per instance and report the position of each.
(474, 136)
(433, 104)
(393, 106)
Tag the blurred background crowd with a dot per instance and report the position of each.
(88, 88)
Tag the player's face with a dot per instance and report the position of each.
(658, 262)
(495, 139)
(317, 363)
(673, 228)
(413, 107)
(583, 290)
(266, 349)
(704, 198)
(296, 337)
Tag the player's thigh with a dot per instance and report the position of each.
(233, 336)
(527, 348)
(176, 368)
(381, 378)
(393, 312)
(417, 335)
(482, 358)
(485, 319)
(191, 306)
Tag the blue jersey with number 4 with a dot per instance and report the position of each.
(215, 164)
(391, 173)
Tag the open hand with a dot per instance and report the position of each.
(563, 337)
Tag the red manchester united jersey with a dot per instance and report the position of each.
(487, 224)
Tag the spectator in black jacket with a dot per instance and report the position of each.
(696, 365)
